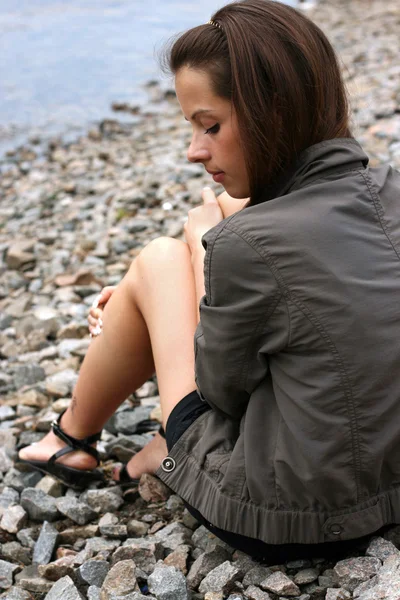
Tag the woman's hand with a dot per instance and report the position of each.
(96, 311)
(201, 219)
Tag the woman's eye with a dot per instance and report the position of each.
(213, 129)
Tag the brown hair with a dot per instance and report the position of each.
(281, 74)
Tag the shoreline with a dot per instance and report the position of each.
(72, 218)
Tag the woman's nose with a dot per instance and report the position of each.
(197, 152)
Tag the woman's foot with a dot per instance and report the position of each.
(147, 460)
(51, 444)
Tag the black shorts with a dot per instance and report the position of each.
(181, 417)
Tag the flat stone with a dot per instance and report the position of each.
(152, 489)
(178, 558)
(28, 375)
(254, 593)
(62, 383)
(386, 583)
(38, 505)
(13, 519)
(222, 578)
(35, 584)
(205, 563)
(70, 535)
(16, 553)
(110, 527)
(167, 583)
(137, 528)
(256, 575)
(59, 568)
(8, 497)
(79, 512)
(45, 545)
(93, 593)
(50, 486)
(94, 572)
(281, 584)
(103, 501)
(7, 571)
(120, 580)
(173, 535)
(337, 594)
(381, 548)
(98, 544)
(65, 589)
(16, 593)
(144, 558)
(306, 576)
(350, 572)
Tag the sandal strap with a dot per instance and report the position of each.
(74, 444)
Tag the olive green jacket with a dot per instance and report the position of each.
(298, 353)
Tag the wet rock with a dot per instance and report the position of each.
(13, 519)
(351, 572)
(222, 578)
(281, 584)
(45, 545)
(38, 505)
(65, 589)
(167, 583)
(79, 512)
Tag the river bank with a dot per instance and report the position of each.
(72, 218)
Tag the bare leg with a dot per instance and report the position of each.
(148, 325)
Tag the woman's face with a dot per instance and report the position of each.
(215, 140)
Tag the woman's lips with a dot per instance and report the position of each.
(219, 177)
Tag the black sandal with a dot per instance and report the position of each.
(125, 480)
(75, 478)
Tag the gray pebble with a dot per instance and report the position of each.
(45, 544)
(38, 505)
(167, 583)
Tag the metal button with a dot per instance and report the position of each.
(168, 464)
(336, 529)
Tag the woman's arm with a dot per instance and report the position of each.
(230, 205)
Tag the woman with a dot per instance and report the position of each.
(285, 442)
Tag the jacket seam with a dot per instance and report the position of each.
(379, 211)
(274, 300)
(312, 318)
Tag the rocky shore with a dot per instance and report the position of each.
(72, 218)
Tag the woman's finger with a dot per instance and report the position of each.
(208, 196)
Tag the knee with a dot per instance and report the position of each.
(161, 253)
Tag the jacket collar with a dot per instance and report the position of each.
(320, 160)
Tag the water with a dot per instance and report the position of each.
(63, 62)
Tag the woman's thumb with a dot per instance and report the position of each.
(208, 195)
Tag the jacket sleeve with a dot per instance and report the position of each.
(231, 340)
